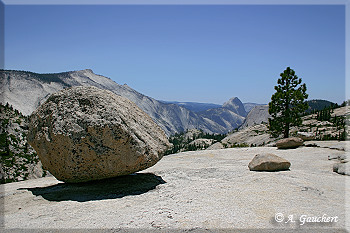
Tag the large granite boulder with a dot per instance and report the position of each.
(289, 143)
(85, 133)
(268, 162)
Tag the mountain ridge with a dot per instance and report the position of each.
(26, 90)
(194, 106)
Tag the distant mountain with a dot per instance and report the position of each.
(236, 106)
(259, 114)
(313, 105)
(25, 91)
(200, 107)
(230, 115)
(318, 104)
(250, 106)
(194, 106)
(224, 117)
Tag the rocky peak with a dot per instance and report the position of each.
(234, 104)
(88, 70)
(83, 72)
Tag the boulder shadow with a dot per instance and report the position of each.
(118, 187)
(289, 148)
(277, 171)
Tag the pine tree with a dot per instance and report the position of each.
(287, 103)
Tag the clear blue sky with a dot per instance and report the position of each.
(185, 53)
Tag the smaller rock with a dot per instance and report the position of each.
(311, 145)
(306, 136)
(343, 158)
(342, 168)
(268, 162)
(289, 143)
(332, 157)
(216, 146)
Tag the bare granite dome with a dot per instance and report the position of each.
(235, 105)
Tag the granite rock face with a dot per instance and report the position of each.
(18, 160)
(85, 133)
(257, 135)
(258, 115)
(289, 143)
(268, 162)
(216, 146)
(306, 136)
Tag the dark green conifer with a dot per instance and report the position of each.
(287, 103)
